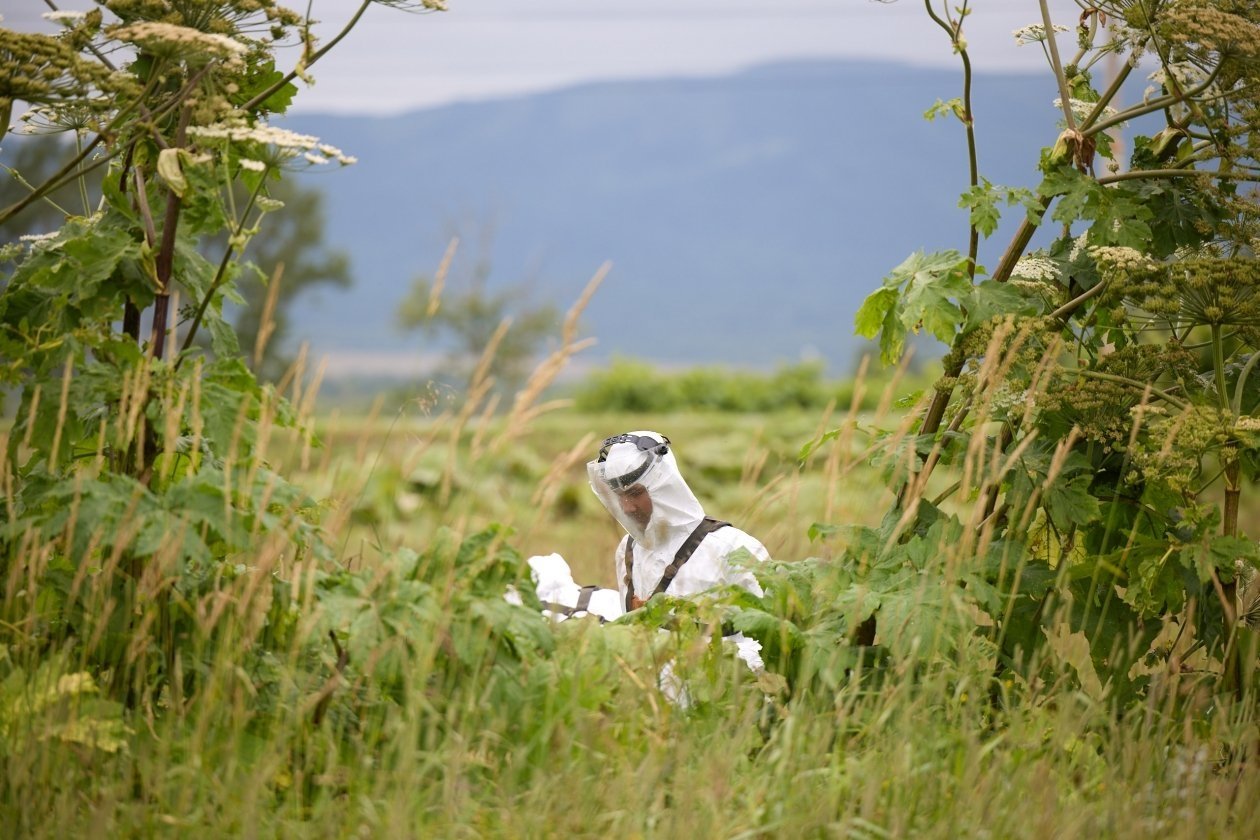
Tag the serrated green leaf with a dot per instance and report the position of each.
(991, 299)
(982, 201)
(928, 285)
(892, 338)
(1076, 192)
(950, 106)
(818, 531)
(263, 75)
(937, 313)
(1026, 198)
(871, 314)
(1069, 502)
(1073, 649)
(1121, 220)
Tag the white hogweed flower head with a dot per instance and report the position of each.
(64, 17)
(272, 146)
(1128, 38)
(53, 119)
(1187, 77)
(1078, 247)
(1007, 398)
(39, 241)
(179, 43)
(1081, 109)
(1036, 269)
(1033, 33)
(1119, 256)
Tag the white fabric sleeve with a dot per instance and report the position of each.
(739, 574)
(619, 566)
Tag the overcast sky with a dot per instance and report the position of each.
(395, 61)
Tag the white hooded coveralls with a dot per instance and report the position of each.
(632, 467)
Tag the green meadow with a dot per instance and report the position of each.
(390, 690)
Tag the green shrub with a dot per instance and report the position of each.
(628, 385)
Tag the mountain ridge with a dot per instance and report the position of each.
(746, 216)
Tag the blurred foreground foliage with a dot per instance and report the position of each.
(410, 696)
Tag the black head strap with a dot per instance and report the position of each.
(642, 441)
(645, 444)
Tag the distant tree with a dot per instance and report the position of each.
(470, 317)
(292, 250)
(293, 240)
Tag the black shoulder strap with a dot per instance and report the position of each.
(629, 578)
(584, 598)
(583, 604)
(707, 526)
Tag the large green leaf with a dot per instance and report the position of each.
(1070, 502)
(1074, 190)
(991, 299)
(924, 292)
(982, 202)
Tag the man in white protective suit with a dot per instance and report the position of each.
(670, 545)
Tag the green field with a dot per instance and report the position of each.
(442, 711)
(403, 480)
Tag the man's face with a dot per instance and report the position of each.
(636, 503)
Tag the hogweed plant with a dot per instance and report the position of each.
(1097, 417)
(135, 471)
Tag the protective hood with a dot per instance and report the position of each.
(637, 480)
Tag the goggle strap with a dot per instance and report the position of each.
(643, 442)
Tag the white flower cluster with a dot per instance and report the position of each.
(1082, 109)
(180, 41)
(1040, 288)
(38, 240)
(285, 145)
(1034, 33)
(1006, 399)
(1078, 247)
(1119, 256)
(47, 119)
(66, 18)
(1040, 269)
(1127, 37)
(1187, 76)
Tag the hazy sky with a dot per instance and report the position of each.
(395, 61)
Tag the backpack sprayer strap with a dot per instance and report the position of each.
(583, 604)
(707, 526)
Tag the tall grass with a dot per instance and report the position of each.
(389, 690)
